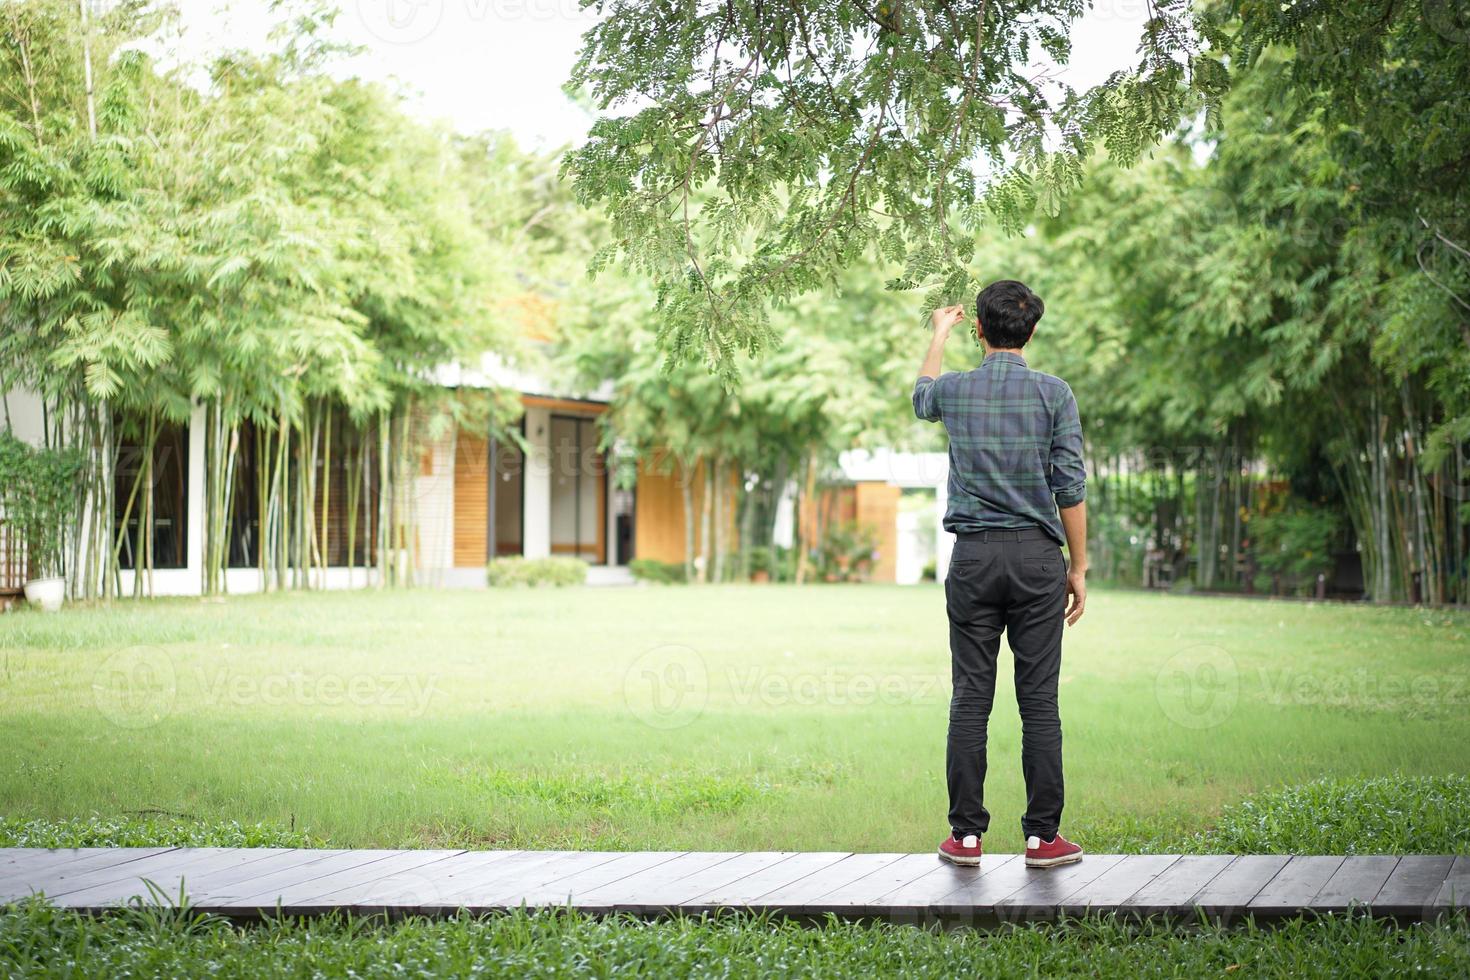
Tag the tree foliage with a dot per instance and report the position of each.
(750, 150)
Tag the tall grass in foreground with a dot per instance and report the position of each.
(41, 941)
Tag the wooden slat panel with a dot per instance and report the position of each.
(473, 872)
(1118, 884)
(403, 874)
(919, 896)
(169, 878)
(168, 862)
(526, 870)
(1173, 891)
(865, 892)
(876, 505)
(1454, 892)
(70, 866)
(471, 500)
(412, 890)
(1295, 885)
(978, 895)
(17, 858)
(644, 889)
(1042, 895)
(202, 885)
(259, 892)
(804, 894)
(1228, 894)
(20, 861)
(901, 887)
(1356, 882)
(634, 895)
(747, 889)
(1414, 885)
(560, 888)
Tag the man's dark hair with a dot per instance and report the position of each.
(1008, 312)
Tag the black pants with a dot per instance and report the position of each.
(1014, 581)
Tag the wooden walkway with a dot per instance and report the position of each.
(251, 882)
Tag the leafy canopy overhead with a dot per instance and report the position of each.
(751, 149)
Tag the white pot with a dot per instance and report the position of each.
(46, 594)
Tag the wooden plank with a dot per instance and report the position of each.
(627, 896)
(915, 900)
(134, 871)
(1454, 891)
(976, 897)
(16, 860)
(863, 895)
(258, 893)
(1230, 892)
(22, 864)
(49, 877)
(744, 891)
(34, 861)
(1355, 883)
(410, 891)
(524, 870)
(276, 859)
(1414, 885)
(802, 896)
(169, 879)
(1294, 886)
(1041, 897)
(1118, 884)
(403, 874)
(653, 889)
(909, 887)
(564, 888)
(1172, 892)
(471, 492)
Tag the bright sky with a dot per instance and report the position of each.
(500, 64)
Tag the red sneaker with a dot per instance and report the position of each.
(1050, 853)
(961, 850)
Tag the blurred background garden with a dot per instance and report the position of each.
(488, 425)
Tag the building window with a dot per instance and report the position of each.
(151, 496)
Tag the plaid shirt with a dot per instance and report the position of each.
(1015, 445)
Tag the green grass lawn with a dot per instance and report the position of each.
(736, 717)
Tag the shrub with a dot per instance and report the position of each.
(1384, 815)
(507, 572)
(1296, 544)
(38, 491)
(846, 552)
(662, 572)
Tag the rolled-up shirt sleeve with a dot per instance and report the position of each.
(926, 398)
(1068, 475)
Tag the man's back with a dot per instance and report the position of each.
(1015, 444)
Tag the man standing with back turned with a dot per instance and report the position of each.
(1016, 490)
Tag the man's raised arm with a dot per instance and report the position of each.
(926, 401)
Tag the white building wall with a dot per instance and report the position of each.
(27, 417)
(536, 540)
(434, 511)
